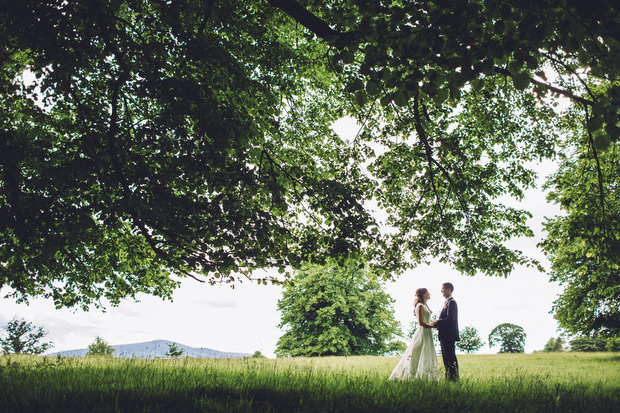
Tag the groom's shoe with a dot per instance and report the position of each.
(452, 374)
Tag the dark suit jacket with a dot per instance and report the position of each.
(448, 323)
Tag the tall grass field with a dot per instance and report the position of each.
(539, 382)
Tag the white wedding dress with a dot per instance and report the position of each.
(420, 358)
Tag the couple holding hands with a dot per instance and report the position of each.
(420, 359)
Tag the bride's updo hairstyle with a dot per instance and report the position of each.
(419, 296)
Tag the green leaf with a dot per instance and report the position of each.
(360, 98)
(595, 123)
(354, 86)
(541, 75)
(441, 96)
(347, 57)
(532, 63)
(477, 84)
(372, 88)
(613, 131)
(386, 100)
(602, 142)
(521, 80)
(598, 109)
(514, 67)
(401, 98)
(610, 118)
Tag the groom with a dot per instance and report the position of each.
(448, 329)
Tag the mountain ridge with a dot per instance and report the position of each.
(155, 349)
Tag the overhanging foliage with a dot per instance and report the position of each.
(194, 136)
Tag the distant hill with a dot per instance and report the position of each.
(155, 349)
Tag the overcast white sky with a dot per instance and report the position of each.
(245, 319)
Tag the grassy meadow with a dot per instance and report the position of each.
(539, 382)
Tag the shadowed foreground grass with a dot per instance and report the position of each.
(549, 382)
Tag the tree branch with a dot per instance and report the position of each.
(117, 168)
(12, 179)
(427, 148)
(205, 18)
(314, 23)
(555, 89)
(601, 190)
(570, 70)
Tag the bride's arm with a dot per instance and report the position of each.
(420, 312)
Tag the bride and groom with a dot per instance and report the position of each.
(420, 359)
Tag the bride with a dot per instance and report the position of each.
(420, 359)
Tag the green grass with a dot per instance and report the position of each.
(548, 382)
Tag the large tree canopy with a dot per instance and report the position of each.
(168, 136)
(583, 245)
(139, 138)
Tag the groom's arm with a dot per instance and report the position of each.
(451, 315)
(453, 311)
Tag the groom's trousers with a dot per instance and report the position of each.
(448, 353)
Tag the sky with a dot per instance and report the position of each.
(245, 319)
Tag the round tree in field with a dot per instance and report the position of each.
(22, 337)
(470, 340)
(511, 338)
(100, 347)
(333, 310)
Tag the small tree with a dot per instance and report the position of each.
(334, 310)
(258, 355)
(100, 348)
(22, 337)
(554, 344)
(174, 351)
(470, 341)
(510, 336)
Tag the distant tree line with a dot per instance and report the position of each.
(583, 343)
